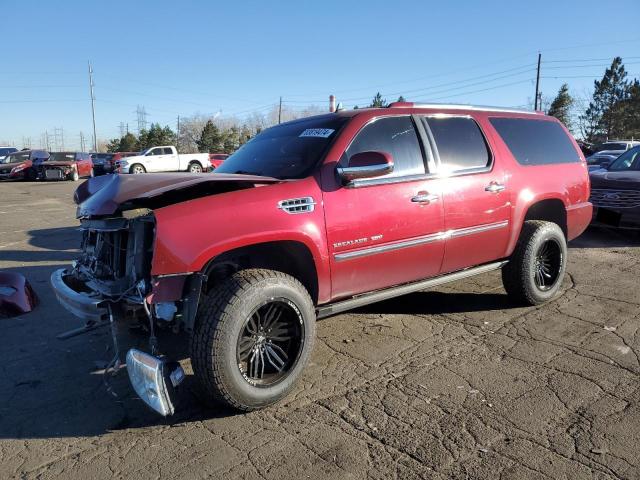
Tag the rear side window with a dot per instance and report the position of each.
(167, 151)
(460, 143)
(394, 135)
(536, 142)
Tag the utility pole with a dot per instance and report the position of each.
(93, 108)
(535, 103)
(81, 141)
(178, 135)
(280, 111)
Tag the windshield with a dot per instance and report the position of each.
(62, 157)
(630, 160)
(286, 151)
(6, 151)
(16, 157)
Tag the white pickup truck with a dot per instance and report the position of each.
(164, 159)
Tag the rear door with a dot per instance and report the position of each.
(477, 208)
(387, 230)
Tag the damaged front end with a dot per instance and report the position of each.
(110, 282)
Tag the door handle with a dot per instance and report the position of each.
(494, 187)
(425, 198)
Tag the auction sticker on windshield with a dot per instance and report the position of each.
(317, 132)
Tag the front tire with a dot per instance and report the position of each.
(137, 169)
(252, 339)
(535, 270)
(195, 167)
(74, 176)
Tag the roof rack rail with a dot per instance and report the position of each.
(458, 106)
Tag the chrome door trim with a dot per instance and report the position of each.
(434, 237)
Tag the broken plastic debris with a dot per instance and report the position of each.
(609, 329)
(623, 349)
(483, 450)
(473, 391)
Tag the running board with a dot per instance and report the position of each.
(379, 295)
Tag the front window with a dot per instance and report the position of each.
(16, 157)
(393, 135)
(286, 151)
(630, 160)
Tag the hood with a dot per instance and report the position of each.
(108, 194)
(623, 180)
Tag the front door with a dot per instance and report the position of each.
(387, 230)
(477, 208)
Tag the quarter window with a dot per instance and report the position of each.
(536, 142)
(460, 143)
(394, 135)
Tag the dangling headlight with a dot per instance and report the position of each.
(154, 380)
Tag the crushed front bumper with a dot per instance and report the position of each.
(83, 305)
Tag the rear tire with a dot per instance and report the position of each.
(252, 339)
(136, 169)
(536, 268)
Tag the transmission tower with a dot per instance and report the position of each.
(142, 118)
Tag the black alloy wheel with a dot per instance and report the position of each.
(270, 343)
(548, 263)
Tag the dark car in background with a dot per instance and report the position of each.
(615, 192)
(19, 165)
(64, 166)
(605, 153)
(106, 162)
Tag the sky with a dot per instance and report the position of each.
(237, 57)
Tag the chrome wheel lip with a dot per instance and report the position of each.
(262, 352)
(547, 265)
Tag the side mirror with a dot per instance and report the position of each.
(366, 165)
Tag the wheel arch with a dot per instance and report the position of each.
(287, 256)
(549, 209)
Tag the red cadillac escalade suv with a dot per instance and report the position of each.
(314, 217)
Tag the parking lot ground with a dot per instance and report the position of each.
(454, 383)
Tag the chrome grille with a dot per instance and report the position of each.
(604, 197)
(297, 205)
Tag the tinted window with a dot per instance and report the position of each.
(460, 143)
(290, 150)
(611, 146)
(536, 142)
(394, 135)
(155, 151)
(167, 151)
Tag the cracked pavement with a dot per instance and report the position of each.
(453, 383)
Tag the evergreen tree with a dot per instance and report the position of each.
(231, 140)
(632, 111)
(378, 101)
(245, 135)
(156, 136)
(128, 143)
(561, 106)
(401, 99)
(211, 139)
(604, 118)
